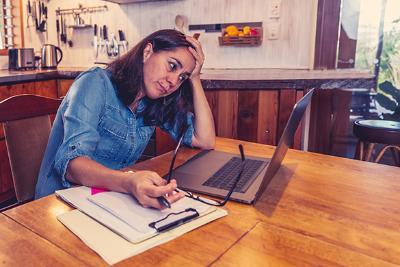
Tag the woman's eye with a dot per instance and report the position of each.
(172, 66)
(183, 77)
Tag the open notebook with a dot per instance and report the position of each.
(120, 218)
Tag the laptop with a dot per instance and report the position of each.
(214, 172)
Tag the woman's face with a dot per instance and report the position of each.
(164, 71)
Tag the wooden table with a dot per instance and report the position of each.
(318, 210)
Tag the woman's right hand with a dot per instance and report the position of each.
(146, 186)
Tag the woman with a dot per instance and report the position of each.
(109, 115)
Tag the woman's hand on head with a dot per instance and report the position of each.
(198, 55)
(146, 186)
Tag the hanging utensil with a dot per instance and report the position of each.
(40, 13)
(65, 29)
(29, 13)
(62, 28)
(43, 17)
(123, 41)
(101, 40)
(35, 15)
(179, 23)
(95, 42)
(58, 29)
(113, 46)
(70, 43)
(106, 42)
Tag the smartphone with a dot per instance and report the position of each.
(196, 36)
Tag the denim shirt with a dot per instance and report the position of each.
(93, 122)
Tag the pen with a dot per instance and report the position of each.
(163, 202)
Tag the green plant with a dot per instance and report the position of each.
(388, 97)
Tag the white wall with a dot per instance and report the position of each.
(294, 48)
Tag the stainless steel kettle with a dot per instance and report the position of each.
(50, 54)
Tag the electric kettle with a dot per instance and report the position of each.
(50, 54)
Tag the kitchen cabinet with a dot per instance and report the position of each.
(43, 88)
(63, 86)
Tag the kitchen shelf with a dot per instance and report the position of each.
(83, 26)
(245, 40)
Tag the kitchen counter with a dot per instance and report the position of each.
(16, 76)
(232, 78)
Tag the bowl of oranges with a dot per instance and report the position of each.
(234, 35)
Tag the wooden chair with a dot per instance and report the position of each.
(27, 127)
(371, 132)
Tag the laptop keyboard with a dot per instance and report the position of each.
(225, 177)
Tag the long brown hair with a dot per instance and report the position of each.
(127, 74)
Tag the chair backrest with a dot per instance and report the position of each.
(27, 127)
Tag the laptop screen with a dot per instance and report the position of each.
(285, 141)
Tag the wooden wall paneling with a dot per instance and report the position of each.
(212, 98)
(341, 131)
(227, 113)
(164, 142)
(6, 183)
(325, 121)
(22, 88)
(298, 134)
(321, 121)
(4, 94)
(63, 87)
(287, 99)
(267, 116)
(247, 118)
(313, 122)
(46, 88)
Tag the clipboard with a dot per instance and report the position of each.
(123, 215)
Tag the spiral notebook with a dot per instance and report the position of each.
(131, 227)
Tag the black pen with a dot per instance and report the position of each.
(163, 202)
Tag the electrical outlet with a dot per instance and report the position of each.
(274, 9)
(273, 30)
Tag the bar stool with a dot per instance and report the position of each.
(377, 131)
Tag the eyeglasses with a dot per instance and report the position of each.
(198, 198)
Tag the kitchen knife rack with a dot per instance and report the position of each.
(76, 13)
(81, 10)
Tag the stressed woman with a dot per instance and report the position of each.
(108, 116)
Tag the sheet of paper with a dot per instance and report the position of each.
(77, 197)
(126, 208)
(113, 248)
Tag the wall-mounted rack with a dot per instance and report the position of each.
(81, 10)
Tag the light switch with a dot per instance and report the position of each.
(273, 30)
(274, 9)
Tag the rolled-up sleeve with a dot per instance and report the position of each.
(174, 130)
(81, 113)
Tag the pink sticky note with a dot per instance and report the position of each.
(96, 190)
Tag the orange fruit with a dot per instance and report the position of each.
(246, 30)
